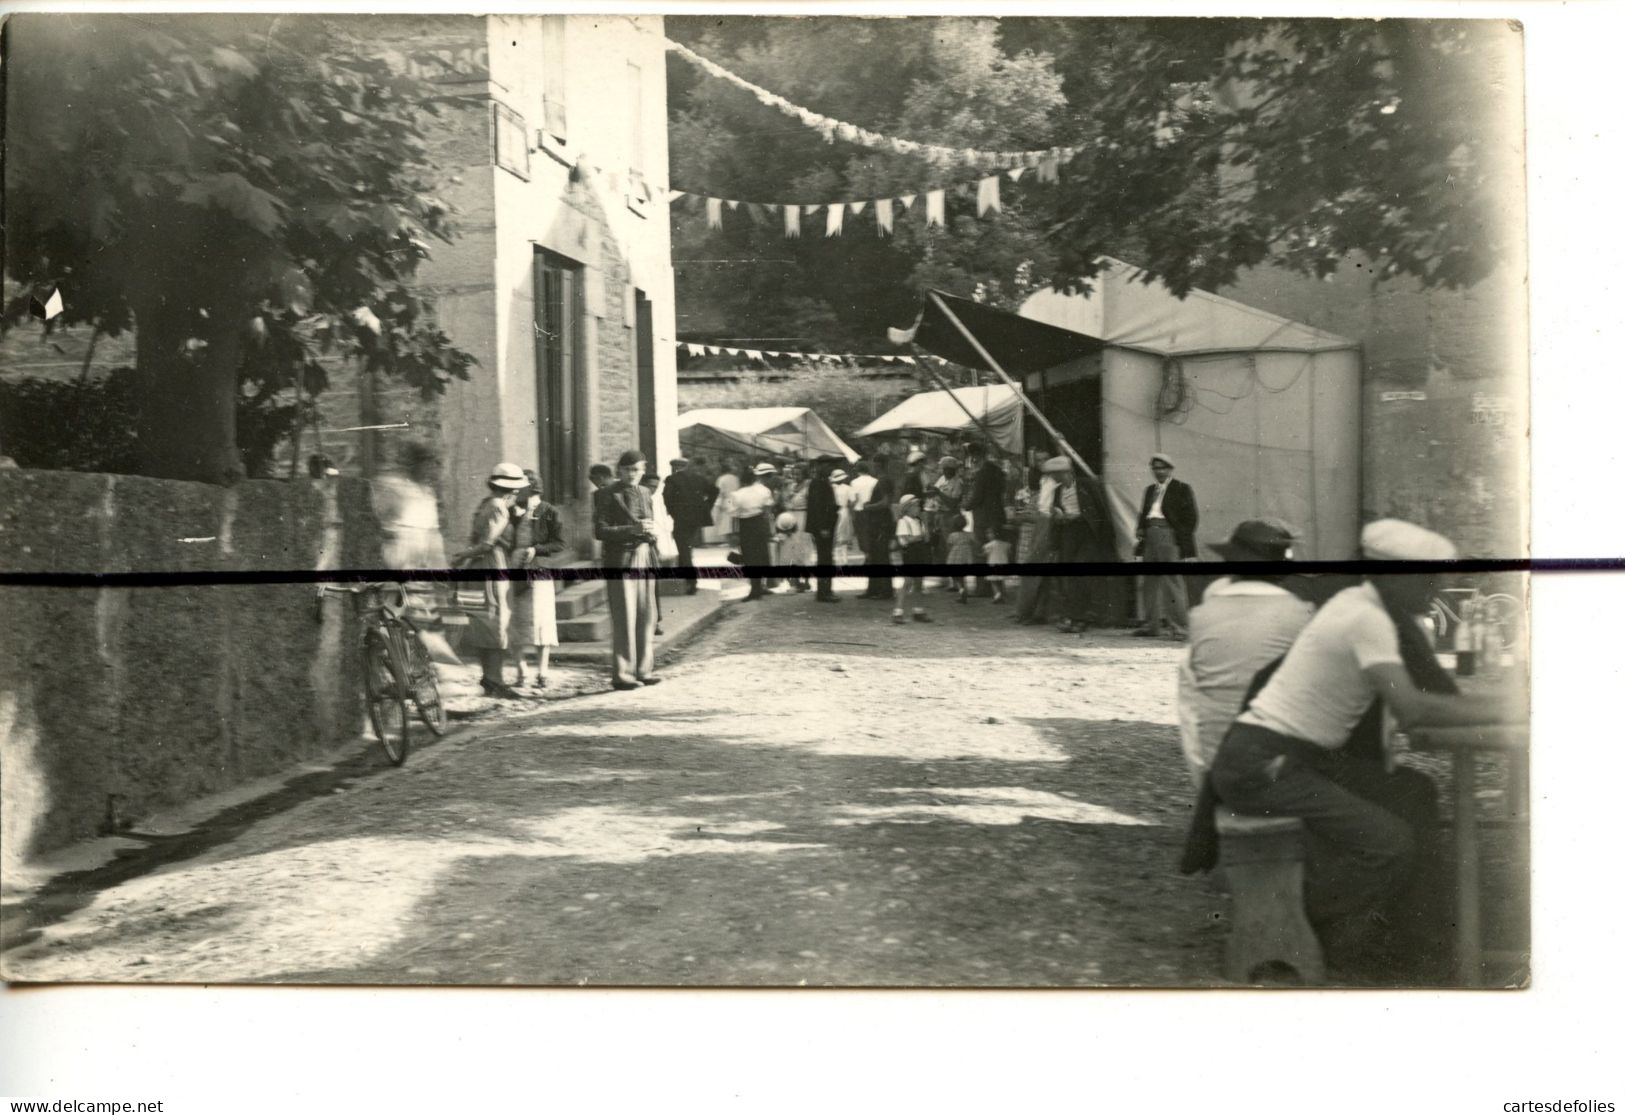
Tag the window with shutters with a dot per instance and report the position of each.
(555, 79)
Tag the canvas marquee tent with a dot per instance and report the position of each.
(1261, 414)
(989, 413)
(777, 431)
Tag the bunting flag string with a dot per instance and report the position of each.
(697, 349)
(988, 200)
(832, 129)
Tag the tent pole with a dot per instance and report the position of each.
(987, 357)
(942, 383)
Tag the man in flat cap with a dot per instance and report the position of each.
(1166, 532)
(689, 497)
(623, 519)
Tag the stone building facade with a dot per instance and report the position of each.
(551, 140)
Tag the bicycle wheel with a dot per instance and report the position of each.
(386, 704)
(425, 683)
(1503, 615)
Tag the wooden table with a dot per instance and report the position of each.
(1464, 745)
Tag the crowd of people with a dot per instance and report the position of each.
(1285, 709)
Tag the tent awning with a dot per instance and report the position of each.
(1020, 344)
(994, 410)
(784, 431)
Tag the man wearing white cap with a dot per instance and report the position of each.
(1289, 752)
(752, 505)
(1166, 532)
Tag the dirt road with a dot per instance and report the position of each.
(813, 796)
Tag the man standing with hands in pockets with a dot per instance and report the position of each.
(1167, 532)
(623, 519)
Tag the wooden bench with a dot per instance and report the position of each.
(1263, 858)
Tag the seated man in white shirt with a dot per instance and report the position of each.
(1287, 753)
(1242, 625)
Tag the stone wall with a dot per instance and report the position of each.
(115, 701)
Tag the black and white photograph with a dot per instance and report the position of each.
(748, 501)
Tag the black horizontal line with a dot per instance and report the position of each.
(733, 572)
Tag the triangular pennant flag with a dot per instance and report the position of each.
(907, 200)
(713, 212)
(889, 359)
(713, 350)
(833, 216)
(754, 354)
(906, 359)
(1016, 172)
(673, 195)
(695, 350)
(771, 206)
(857, 206)
(883, 216)
(987, 195)
(731, 351)
(936, 208)
(792, 221)
(757, 214)
(770, 352)
(962, 190)
(48, 307)
(733, 205)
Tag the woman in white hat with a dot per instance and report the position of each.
(490, 540)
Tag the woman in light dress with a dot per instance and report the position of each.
(726, 527)
(538, 538)
(846, 533)
(798, 549)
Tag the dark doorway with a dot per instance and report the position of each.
(645, 393)
(559, 333)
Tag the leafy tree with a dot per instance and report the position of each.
(244, 192)
(934, 80)
(1207, 146)
(1213, 145)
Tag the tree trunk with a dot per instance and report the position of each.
(187, 426)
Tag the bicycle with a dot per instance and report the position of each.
(395, 666)
(1502, 616)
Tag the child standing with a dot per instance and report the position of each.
(961, 552)
(915, 547)
(997, 551)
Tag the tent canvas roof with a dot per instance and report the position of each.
(1122, 310)
(787, 431)
(995, 407)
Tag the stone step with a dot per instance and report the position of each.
(591, 628)
(579, 598)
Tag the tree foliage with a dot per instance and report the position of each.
(245, 192)
(1208, 146)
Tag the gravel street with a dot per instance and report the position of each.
(814, 796)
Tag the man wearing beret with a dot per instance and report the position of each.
(1166, 532)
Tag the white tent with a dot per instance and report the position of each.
(780, 431)
(1260, 414)
(993, 412)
